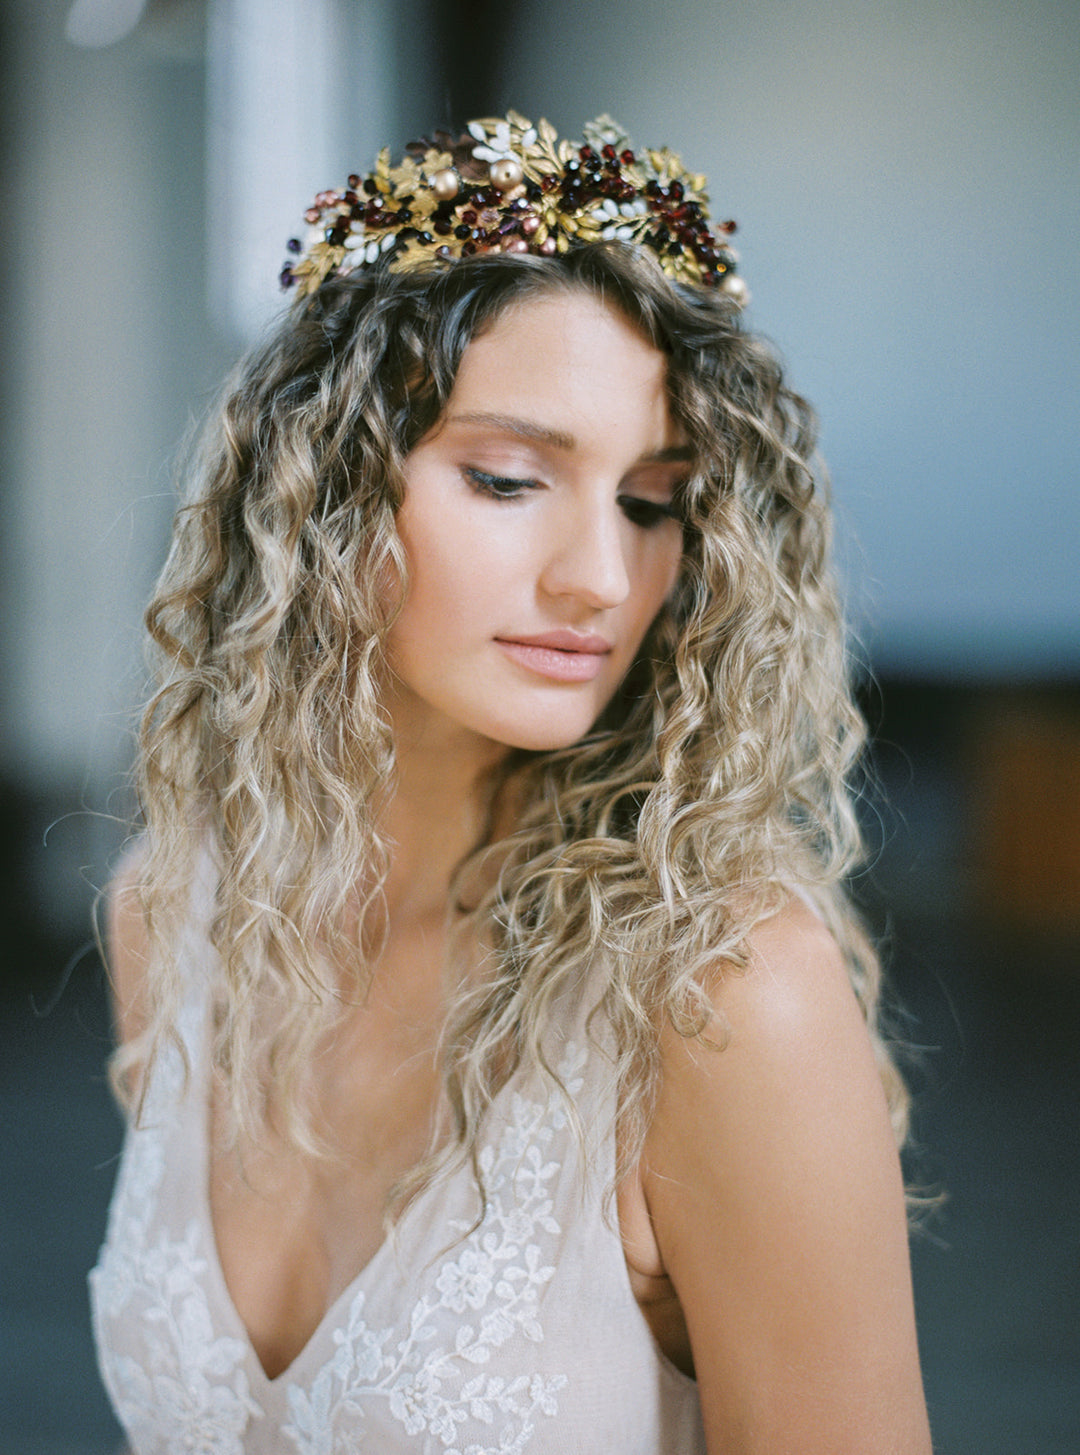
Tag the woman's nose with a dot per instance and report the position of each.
(587, 558)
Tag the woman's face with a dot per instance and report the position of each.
(538, 530)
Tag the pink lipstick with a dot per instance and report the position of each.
(561, 656)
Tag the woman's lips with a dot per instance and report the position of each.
(562, 656)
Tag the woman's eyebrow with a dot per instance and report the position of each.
(523, 428)
(529, 429)
(673, 455)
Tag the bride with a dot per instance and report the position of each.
(498, 1041)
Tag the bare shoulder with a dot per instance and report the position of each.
(774, 1188)
(127, 944)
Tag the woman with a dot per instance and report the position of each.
(500, 1045)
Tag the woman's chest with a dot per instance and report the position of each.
(294, 1229)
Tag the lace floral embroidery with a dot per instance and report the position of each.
(189, 1389)
(493, 1279)
(187, 1392)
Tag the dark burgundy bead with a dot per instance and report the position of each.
(549, 181)
(462, 231)
(469, 216)
(349, 197)
(478, 198)
(443, 226)
(586, 153)
(627, 157)
(468, 249)
(443, 252)
(675, 191)
(295, 245)
(356, 211)
(354, 180)
(729, 227)
(370, 187)
(652, 189)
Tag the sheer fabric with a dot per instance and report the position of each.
(520, 1334)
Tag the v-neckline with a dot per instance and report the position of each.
(204, 1213)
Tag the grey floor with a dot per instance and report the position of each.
(997, 1081)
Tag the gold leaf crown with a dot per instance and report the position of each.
(508, 186)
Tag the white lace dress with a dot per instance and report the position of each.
(523, 1335)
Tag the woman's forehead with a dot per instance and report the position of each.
(558, 367)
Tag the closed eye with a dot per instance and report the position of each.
(500, 487)
(647, 513)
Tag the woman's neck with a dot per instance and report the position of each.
(438, 813)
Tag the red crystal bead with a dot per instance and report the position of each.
(609, 153)
(549, 181)
(469, 216)
(627, 157)
(675, 191)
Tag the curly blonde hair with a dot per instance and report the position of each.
(715, 784)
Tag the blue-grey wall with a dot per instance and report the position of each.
(906, 175)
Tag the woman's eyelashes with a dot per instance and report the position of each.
(502, 487)
(637, 509)
(647, 513)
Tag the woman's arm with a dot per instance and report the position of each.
(774, 1187)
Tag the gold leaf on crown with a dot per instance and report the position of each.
(505, 185)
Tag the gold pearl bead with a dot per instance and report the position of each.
(736, 289)
(507, 172)
(446, 184)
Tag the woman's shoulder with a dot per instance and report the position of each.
(787, 1032)
(127, 944)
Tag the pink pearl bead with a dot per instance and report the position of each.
(529, 225)
(547, 247)
(515, 245)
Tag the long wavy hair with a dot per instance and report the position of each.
(715, 784)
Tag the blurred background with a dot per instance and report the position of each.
(906, 175)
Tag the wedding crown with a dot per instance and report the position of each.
(508, 186)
